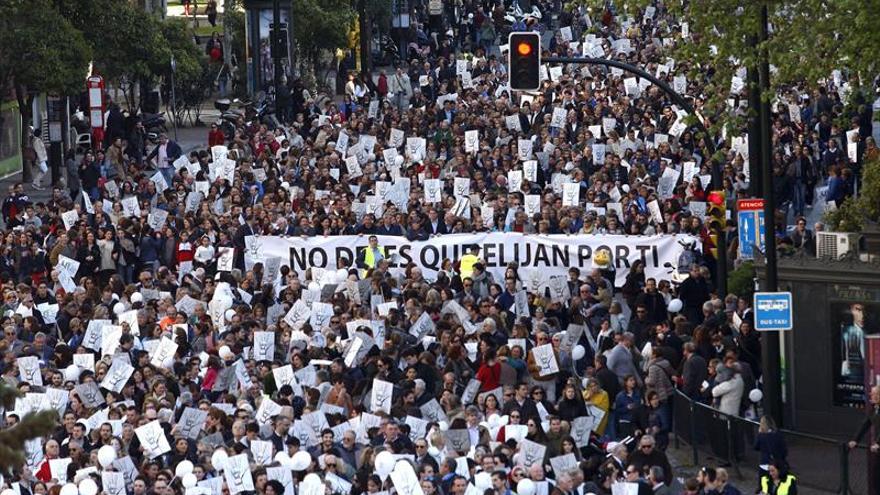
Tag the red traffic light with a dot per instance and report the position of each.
(716, 198)
(524, 49)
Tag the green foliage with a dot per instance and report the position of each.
(325, 24)
(808, 40)
(127, 42)
(379, 14)
(742, 281)
(852, 215)
(41, 52)
(31, 426)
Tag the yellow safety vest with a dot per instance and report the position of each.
(370, 259)
(783, 488)
(466, 265)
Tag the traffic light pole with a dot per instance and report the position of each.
(770, 351)
(276, 56)
(721, 269)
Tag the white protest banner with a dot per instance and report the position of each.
(153, 439)
(342, 143)
(29, 370)
(67, 266)
(531, 452)
(471, 141)
(130, 207)
(461, 187)
(117, 375)
(656, 215)
(238, 474)
(191, 422)
(264, 346)
(512, 123)
(551, 254)
(514, 180)
(70, 218)
(558, 119)
(163, 352)
(545, 357)
(380, 397)
(571, 193)
(156, 218)
(524, 149)
(433, 191)
(667, 183)
(532, 204)
(530, 170)
(396, 138)
(262, 451)
(224, 261)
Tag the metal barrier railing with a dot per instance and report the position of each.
(819, 463)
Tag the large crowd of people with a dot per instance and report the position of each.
(178, 366)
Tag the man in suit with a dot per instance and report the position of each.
(694, 371)
(435, 226)
(620, 359)
(634, 475)
(165, 154)
(657, 477)
(522, 403)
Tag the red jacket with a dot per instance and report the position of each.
(216, 138)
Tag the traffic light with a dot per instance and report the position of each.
(278, 41)
(524, 55)
(716, 211)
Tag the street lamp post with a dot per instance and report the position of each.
(721, 269)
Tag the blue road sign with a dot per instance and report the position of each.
(773, 311)
(750, 227)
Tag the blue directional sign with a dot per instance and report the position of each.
(773, 311)
(750, 226)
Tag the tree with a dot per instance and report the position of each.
(808, 39)
(192, 66)
(32, 425)
(42, 53)
(127, 41)
(327, 27)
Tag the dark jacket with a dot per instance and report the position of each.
(694, 373)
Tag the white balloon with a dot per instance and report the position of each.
(314, 286)
(525, 487)
(341, 275)
(71, 373)
(88, 487)
(230, 314)
(674, 306)
(106, 456)
(219, 458)
(578, 352)
(443, 425)
(183, 468)
(312, 479)
(483, 481)
(434, 451)
(301, 461)
(69, 489)
(225, 352)
(118, 308)
(756, 395)
(189, 480)
(384, 463)
(283, 459)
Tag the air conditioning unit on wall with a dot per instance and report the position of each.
(836, 245)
